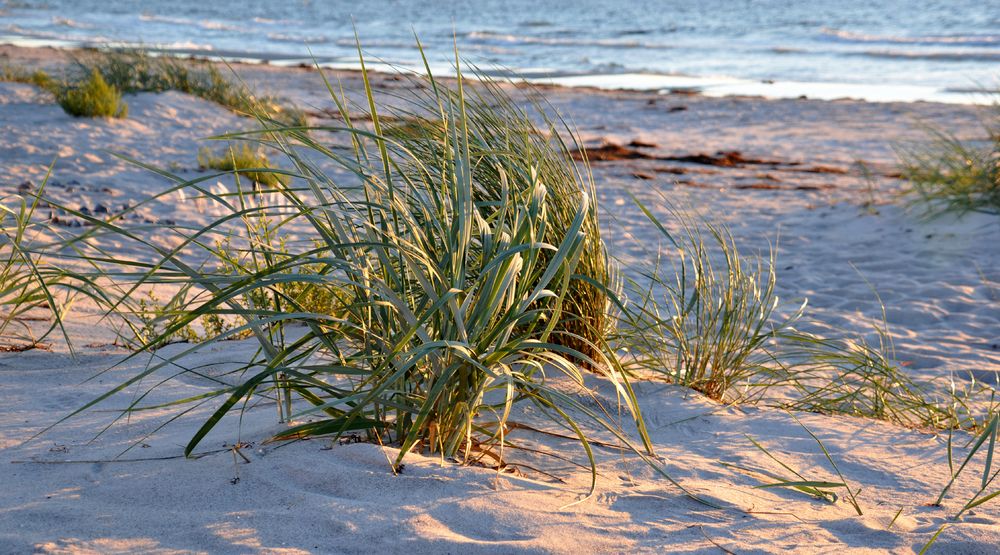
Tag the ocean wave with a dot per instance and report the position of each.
(182, 45)
(560, 41)
(956, 56)
(49, 35)
(956, 40)
(67, 22)
(375, 43)
(204, 24)
(270, 21)
(299, 39)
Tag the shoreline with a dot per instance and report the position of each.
(719, 87)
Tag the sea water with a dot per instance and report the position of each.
(889, 50)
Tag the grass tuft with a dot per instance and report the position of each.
(508, 148)
(709, 321)
(243, 159)
(26, 281)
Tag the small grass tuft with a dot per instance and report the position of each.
(245, 159)
(708, 321)
(26, 281)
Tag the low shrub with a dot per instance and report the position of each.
(92, 98)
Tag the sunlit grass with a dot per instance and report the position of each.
(951, 175)
(449, 282)
(26, 281)
(244, 159)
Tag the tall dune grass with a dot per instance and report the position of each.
(496, 126)
(452, 260)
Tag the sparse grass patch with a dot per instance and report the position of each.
(708, 321)
(988, 438)
(134, 71)
(712, 321)
(856, 378)
(92, 98)
(38, 78)
(245, 159)
(950, 175)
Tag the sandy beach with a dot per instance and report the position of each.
(815, 180)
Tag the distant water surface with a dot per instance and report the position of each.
(888, 50)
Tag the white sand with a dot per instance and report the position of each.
(63, 493)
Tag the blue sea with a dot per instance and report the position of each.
(887, 50)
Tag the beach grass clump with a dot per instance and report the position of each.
(707, 320)
(496, 127)
(950, 175)
(92, 98)
(448, 300)
(244, 159)
(133, 71)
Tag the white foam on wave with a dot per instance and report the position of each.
(976, 55)
(204, 24)
(720, 86)
(299, 38)
(964, 40)
(67, 22)
(563, 41)
(636, 81)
